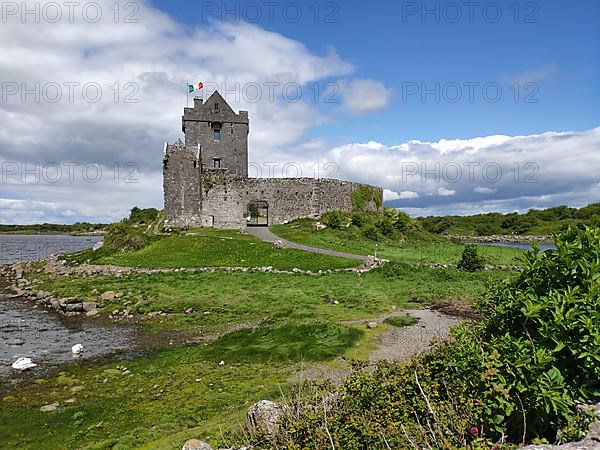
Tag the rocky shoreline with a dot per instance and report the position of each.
(22, 287)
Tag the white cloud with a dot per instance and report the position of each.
(389, 195)
(522, 172)
(443, 192)
(158, 56)
(485, 190)
(364, 96)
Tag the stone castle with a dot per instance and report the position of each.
(206, 181)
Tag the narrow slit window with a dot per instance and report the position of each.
(216, 163)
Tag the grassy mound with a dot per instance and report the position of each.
(222, 248)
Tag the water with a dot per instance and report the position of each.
(516, 245)
(45, 336)
(25, 247)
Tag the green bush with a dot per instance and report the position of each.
(123, 237)
(334, 219)
(517, 375)
(371, 232)
(470, 260)
(143, 216)
(359, 219)
(386, 227)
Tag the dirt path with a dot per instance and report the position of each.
(401, 343)
(395, 344)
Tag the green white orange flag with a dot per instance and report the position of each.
(194, 87)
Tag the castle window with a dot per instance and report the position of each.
(216, 134)
(195, 164)
(216, 163)
(231, 129)
(216, 108)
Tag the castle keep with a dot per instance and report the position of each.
(206, 182)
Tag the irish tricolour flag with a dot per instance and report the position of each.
(194, 87)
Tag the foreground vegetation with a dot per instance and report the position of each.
(516, 376)
(543, 222)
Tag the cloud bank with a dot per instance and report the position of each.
(86, 106)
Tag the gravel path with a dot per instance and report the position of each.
(400, 343)
(396, 344)
(264, 234)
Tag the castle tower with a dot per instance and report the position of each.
(220, 133)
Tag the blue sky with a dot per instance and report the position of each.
(551, 43)
(375, 58)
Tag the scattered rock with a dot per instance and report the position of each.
(107, 296)
(50, 407)
(277, 245)
(372, 325)
(195, 444)
(89, 306)
(263, 416)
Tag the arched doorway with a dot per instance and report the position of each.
(257, 214)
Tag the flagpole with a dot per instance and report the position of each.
(187, 95)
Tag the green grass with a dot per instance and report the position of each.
(222, 248)
(167, 391)
(220, 298)
(286, 342)
(401, 321)
(434, 250)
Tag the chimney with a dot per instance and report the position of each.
(198, 101)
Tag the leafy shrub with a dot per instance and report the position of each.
(470, 260)
(371, 232)
(143, 216)
(517, 375)
(386, 227)
(358, 219)
(123, 237)
(333, 219)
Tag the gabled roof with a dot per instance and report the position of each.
(216, 97)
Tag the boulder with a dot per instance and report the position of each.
(50, 407)
(372, 325)
(263, 417)
(89, 306)
(277, 245)
(74, 307)
(195, 444)
(107, 296)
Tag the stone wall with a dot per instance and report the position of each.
(181, 186)
(226, 198)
